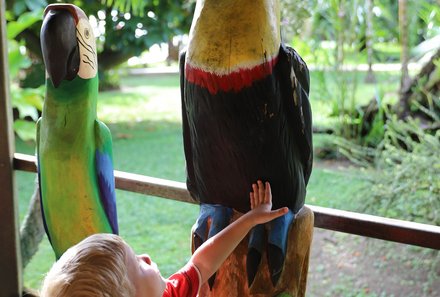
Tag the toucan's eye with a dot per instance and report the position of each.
(86, 33)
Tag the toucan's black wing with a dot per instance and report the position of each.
(187, 146)
(297, 98)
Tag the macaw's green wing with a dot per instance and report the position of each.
(298, 74)
(39, 179)
(104, 172)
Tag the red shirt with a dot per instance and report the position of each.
(184, 283)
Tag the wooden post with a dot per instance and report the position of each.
(231, 279)
(10, 261)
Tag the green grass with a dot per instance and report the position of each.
(142, 98)
(144, 119)
(324, 53)
(330, 90)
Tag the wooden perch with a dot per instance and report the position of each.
(231, 278)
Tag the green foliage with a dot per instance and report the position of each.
(33, 76)
(293, 16)
(17, 59)
(342, 24)
(402, 170)
(109, 80)
(405, 181)
(375, 129)
(342, 100)
(19, 7)
(430, 14)
(127, 28)
(357, 154)
(425, 97)
(27, 101)
(344, 104)
(123, 28)
(340, 28)
(137, 7)
(24, 21)
(25, 129)
(386, 23)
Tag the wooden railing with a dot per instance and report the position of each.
(423, 235)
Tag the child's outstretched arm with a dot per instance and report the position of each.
(209, 257)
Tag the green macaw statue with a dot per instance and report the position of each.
(74, 149)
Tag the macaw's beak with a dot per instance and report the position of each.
(59, 45)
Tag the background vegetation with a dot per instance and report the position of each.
(375, 98)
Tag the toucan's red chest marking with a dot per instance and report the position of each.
(234, 81)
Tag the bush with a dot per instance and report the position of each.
(405, 181)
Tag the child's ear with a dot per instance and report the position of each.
(146, 258)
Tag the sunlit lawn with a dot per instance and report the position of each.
(144, 118)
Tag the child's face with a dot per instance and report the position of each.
(144, 274)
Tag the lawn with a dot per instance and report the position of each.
(144, 118)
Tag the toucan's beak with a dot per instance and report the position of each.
(59, 45)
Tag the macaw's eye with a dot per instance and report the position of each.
(86, 33)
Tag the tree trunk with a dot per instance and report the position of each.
(404, 42)
(419, 96)
(370, 78)
(32, 230)
(340, 35)
(173, 52)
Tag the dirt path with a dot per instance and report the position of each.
(349, 265)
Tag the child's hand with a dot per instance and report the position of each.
(261, 204)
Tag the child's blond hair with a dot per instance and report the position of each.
(94, 267)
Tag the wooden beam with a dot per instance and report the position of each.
(25, 162)
(125, 181)
(152, 186)
(377, 227)
(10, 257)
(332, 219)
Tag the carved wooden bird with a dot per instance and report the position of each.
(74, 149)
(246, 116)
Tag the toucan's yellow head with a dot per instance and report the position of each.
(228, 35)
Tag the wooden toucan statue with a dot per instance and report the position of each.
(246, 116)
(74, 149)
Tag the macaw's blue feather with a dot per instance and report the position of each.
(106, 181)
